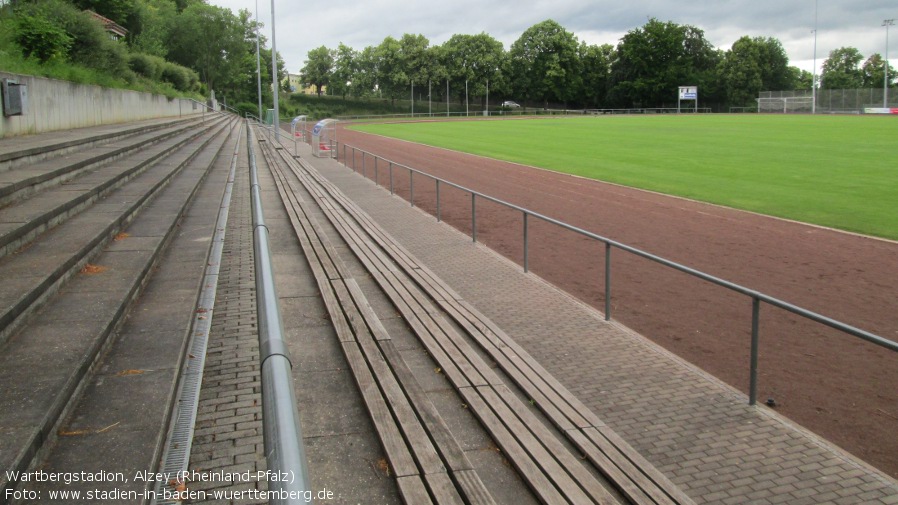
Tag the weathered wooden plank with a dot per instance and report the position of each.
(390, 438)
(529, 469)
(377, 328)
(420, 444)
(472, 488)
(639, 463)
(413, 490)
(446, 444)
(563, 468)
(624, 482)
(443, 489)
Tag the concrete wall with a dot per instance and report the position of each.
(61, 105)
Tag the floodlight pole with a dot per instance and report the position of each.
(814, 81)
(258, 63)
(274, 73)
(885, 79)
(467, 112)
(413, 99)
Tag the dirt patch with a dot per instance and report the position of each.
(836, 385)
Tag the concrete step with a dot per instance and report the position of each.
(18, 183)
(25, 150)
(22, 221)
(45, 365)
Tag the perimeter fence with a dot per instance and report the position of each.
(835, 101)
(373, 166)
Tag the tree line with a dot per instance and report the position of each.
(550, 65)
(188, 45)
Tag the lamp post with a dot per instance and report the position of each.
(885, 79)
(258, 63)
(274, 73)
(814, 81)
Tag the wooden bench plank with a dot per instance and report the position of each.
(473, 488)
(563, 468)
(413, 490)
(447, 445)
(394, 445)
(418, 441)
(625, 484)
(517, 456)
(443, 489)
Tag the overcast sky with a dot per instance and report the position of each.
(305, 25)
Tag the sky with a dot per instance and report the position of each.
(304, 25)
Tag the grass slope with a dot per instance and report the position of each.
(833, 171)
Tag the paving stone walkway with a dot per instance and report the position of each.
(700, 432)
(228, 432)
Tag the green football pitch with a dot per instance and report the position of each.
(837, 171)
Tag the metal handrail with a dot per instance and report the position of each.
(756, 296)
(281, 426)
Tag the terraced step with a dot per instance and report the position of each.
(76, 185)
(46, 363)
(18, 183)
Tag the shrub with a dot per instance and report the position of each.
(42, 38)
(182, 78)
(146, 65)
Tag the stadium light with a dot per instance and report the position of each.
(814, 81)
(885, 79)
(274, 73)
(258, 64)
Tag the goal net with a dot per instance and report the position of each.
(786, 105)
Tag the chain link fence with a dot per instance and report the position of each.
(836, 101)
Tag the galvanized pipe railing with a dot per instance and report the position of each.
(756, 296)
(284, 449)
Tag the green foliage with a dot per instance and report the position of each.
(42, 38)
(318, 68)
(842, 69)
(182, 78)
(147, 65)
(545, 64)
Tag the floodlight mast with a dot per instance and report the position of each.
(885, 79)
(258, 63)
(274, 74)
(814, 81)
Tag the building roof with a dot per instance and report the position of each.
(110, 25)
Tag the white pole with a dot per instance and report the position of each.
(274, 72)
(885, 78)
(258, 64)
(447, 97)
(413, 98)
(429, 98)
(466, 98)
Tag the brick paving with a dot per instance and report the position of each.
(228, 432)
(700, 432)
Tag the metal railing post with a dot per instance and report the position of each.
(439, 216)
(391, 178)
(411, 187)
(474, 217)
(607, 281)
(753, 372)
(526, 247)
(364, 170)
(375, 172)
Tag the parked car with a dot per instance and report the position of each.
(510, 104)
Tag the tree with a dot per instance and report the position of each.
(391, 77)
(318, 68)
(545, 64)
(841, 70)
(473, 60)
(596, 64)
(740, 71)
(874, 71)
(799, 79)
(653, 61)
(345, 68)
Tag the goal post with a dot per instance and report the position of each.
(786, 105)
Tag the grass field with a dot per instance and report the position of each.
(835, 171)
